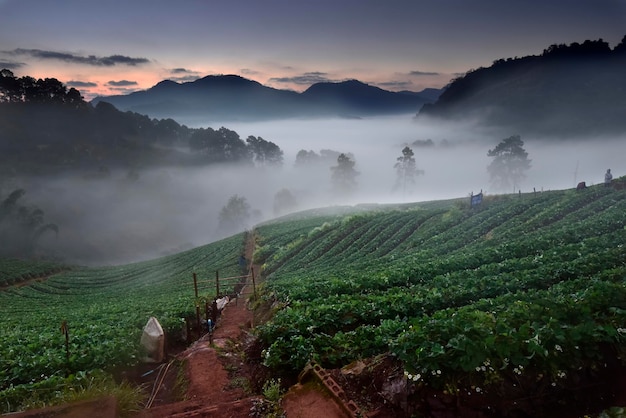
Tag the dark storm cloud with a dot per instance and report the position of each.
(74, 83)
(121, 83)
(304, 79)
(93, 60)
(421, 73)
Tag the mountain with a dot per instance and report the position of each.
(568, 90)
(231, 98)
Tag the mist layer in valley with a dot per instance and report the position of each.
(117, 219)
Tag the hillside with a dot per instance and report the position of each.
(47, 129)
(568, 90)
(504, 309)
(234, 98)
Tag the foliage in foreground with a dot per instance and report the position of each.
(76, 387)
(105, 310)
(522, 289)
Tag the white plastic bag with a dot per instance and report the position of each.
(153, 341)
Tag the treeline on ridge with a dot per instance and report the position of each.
(47, 128)
(575, 89)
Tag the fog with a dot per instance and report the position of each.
(114, 220)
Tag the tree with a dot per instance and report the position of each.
(510, 162)
(10, 87)
(265, 152)
(21, 226)
(305, 158)
(406, 169)
(284, 202)
(220, 146)
(343, 175)
(235, 215)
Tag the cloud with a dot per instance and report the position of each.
(11, 65)
(248, 71)
(184, 75)
(184, 79)
(395, 85)
(75, 83)
(422, 73)
(181, 71)
(304, 79)
(121, 83)
(123, 90)
(93, 60)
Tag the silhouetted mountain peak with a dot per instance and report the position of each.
(225, 81)
(232, 97)
(165, 85)
(342, 87)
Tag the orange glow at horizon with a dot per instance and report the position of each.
(108, 81)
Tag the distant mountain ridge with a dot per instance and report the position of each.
(568, 90)
(233, 98)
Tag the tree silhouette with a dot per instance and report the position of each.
(222, 145)
(266, 153)
(21, 226)
(510, 162)
(343, 175)
(234, 215)
(284, 202)
(406, 170)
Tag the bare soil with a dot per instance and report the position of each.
(222, 375)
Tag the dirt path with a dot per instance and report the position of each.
(222, 380)
(212, 369)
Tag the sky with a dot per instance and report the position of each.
(116, 47)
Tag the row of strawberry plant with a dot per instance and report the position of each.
(105, 322)
(331, 313)
(14, 271)
(368, 303)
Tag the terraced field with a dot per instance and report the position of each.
(105, 310)
(523, 296)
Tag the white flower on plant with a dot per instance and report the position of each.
(558, 348)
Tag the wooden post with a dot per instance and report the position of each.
(217, 284)
(195, 285)
(198, 329)
(214, 312)
(253, 282)
(65, 330)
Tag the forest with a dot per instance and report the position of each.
(48, 129)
